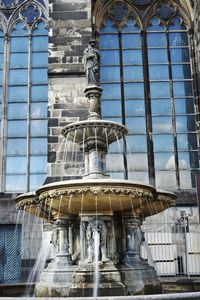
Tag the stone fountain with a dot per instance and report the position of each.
(96, 208)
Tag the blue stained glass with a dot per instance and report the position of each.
(136, 143)
(185, 124)
(180, 55)
(162, 124)
(133, 90)
(39, 59)
(17, 129)
(110, 57)
(110, 74)
(177, 24)
(18, 94)
(131, 41)
(40, 29)
(132, 57)
(39, 76)
(163, 142)
(187, 141)
(15, 183)
(166, 179)
(18, 60)
(30, 13)
(161, 107)
(39, 128)
(16, 165)
(16, 147)
(164, 161)
(19, 44)
(1, 76)
(38, 164)
(188, 160)
(155, 25)
(157, 56)
(134, 108)
(156, 39)
(39, 93)
(38, 146)
(108, 26)
(160, 89)
(137, 162)
(38, 110)
(178, 39)
(133, 73)
(136, 125)
(111, 108)
(111, 91)
(109, 41)
(40, 43)
(17, 111)
(181, 72)
(18, 77)
(8, 3)
(36, 181)
(183, 88)
(1, 43)
(158, 72)
(19, 29)
(184, 106)
(131, 26)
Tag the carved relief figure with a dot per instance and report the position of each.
(92, 63)
(93, 227)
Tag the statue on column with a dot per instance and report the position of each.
(96, 226)
(92, 64)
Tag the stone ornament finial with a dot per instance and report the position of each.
(92, 64)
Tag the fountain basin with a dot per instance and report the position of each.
(67, 198)
(107, 131)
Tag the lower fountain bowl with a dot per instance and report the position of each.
(73, 197)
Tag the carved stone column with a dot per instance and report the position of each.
(93, 93)
(63, 254)
(134, 238)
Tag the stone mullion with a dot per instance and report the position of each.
(29, 113)
(4, 111)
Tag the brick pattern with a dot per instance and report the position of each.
(70, 32)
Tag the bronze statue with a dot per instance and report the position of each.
(92, 64)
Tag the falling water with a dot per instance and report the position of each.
(148, 252)
(96, 237)
(39, 264)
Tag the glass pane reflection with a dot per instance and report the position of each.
(164, 161)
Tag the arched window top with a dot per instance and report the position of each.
(40, 28)
(108, 26)
(155, 25)
(19, 29)
(131, 26)
(177, 24)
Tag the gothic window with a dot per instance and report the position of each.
(24, 62)
(147, 81)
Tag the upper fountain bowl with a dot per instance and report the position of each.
(80, 132)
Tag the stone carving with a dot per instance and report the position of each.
(91, 64)
(55, 238)
(96, 226)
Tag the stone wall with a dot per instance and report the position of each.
(70, 31)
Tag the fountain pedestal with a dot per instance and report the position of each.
(137, 275)
(56, 279)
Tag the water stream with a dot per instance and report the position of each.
(96, 237)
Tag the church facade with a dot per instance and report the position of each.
(150, 72)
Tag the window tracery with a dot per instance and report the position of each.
(147, 81)
(24, 61)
